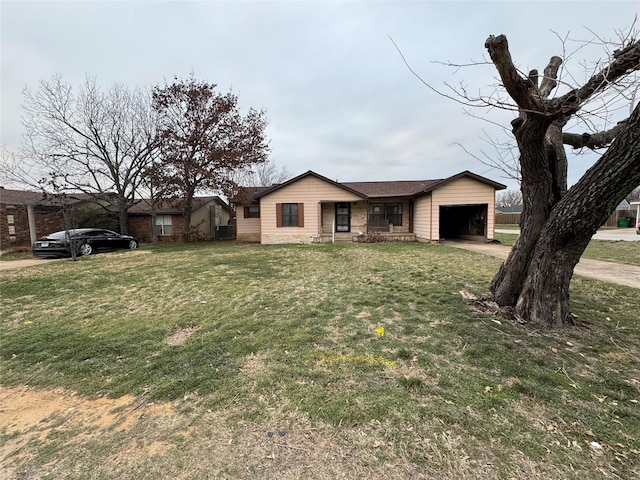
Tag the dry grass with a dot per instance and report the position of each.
(251, 362)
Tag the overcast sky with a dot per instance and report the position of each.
(338, 97)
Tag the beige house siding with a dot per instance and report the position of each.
(247, 229)
(201, 219)
(463, 191)
(422, 218)
(310, 191)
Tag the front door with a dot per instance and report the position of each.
(343, 217)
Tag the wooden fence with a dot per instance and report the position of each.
(508, 218)
(612, 221)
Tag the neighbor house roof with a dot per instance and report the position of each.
(29, 197)
(247, 195)
(20, 197)
(173, 207)
(384, 189)
(510, 209)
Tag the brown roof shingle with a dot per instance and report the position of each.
(172, 207)
(21, 197)
(391, 189)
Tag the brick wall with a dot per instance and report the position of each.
(14, 225)
(141, 228)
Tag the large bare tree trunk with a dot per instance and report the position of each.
(573, 221)
(557, 225)
(536, 189)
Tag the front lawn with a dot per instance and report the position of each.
(605, 250)
(247, 361)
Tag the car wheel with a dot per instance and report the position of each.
(85, 249)
(133, 244)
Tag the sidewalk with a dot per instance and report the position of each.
(613, 234)
(621, 274)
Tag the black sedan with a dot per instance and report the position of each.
(85, 241)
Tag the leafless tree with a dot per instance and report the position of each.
(266, 174)
(557, 222)
(94, 142)
(509, 198)
(259, 175)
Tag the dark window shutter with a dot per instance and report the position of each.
(301, 214)
(278, 214)
(246, 212)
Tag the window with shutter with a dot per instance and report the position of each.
(252, 212)
(290, 214)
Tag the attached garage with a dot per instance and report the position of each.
(458, 207)
(468, 222)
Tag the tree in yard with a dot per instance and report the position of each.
(93, 142)
(557, 223)
(509, 198)
(203, 139)
(264, 175)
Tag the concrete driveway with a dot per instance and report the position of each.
(618, 273)
(616, 234)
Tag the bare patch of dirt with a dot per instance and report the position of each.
(30, 416)
(21, 408)
(179, 337)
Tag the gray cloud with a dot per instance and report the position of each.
(338, 97)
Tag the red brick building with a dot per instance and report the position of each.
(27, 215)
(208, 216)
(23, 211)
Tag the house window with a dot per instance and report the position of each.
(385, 213)
(163, 225)
(290, 214)
(9, 218)
(252, 211)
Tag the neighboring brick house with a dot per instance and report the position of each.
(312, 208)
(26, 215)
(210, 220)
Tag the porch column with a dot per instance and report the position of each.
(31, 214)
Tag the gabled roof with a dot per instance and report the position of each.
(308, 174)
(385, 189)
(174, 207)
(466, 173)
